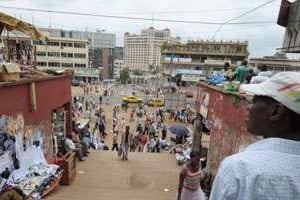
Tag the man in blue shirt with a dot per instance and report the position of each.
(270, 168)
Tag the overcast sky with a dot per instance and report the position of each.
(263, 38)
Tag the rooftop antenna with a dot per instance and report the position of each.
(50, 7)
(152, 25)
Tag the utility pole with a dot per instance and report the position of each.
(171, 72)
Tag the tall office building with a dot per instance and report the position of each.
(119, 53)
(143, 52)
(107, 63)
(98, 40)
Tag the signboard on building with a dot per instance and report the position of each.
(204, 104)
(190, 77)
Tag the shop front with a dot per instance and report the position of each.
(36, 100)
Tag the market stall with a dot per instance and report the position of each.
(22, 162)
(226, 112)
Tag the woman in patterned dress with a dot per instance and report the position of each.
(189, 179)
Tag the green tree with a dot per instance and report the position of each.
(138, 72)
(124, 76)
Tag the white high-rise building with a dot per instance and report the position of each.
(143, 52)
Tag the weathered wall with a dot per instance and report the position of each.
(226, 113)
(289, 17)
(51, 93)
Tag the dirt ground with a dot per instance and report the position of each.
(103, 176)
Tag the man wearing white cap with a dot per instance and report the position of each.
(270, 168)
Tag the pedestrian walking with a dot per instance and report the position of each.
(142, 142)
(102, 128)
(115, 141)
(126, 142)
(122, 124)
(100, 99)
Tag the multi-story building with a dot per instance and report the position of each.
(143, 51)
(119, 53)
(278, 62)
(203, 55)
(56, 53)
(107, 63)
(62, 52)
(98, 40)
(119, 65)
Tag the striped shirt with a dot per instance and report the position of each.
(268, 169)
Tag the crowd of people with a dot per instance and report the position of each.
(139, 130)
(274, 113)
(146, 135)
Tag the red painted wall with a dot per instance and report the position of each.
(226, 113)
(51, 93)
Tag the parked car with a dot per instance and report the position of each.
(189, 94)
(156, 102)
(132, 99)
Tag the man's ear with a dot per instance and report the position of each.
(278, 111)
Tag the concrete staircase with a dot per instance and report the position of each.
(105, 176)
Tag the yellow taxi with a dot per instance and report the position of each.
(156, 102)
(132, 99)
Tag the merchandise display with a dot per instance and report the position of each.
(23, 167)
(36, 179)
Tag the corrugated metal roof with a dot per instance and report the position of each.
(10, 68)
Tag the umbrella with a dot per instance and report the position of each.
(179, 130)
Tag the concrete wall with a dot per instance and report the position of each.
(227, 114)
(51, 93)
(291, 43)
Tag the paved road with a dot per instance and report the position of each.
(103, 176)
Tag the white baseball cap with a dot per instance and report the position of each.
(284, 87)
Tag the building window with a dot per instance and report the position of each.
(54, 54)
(37, 42)
(53, 43)
(53, 64)
(41, 53)
(66, 44)
(80, 65)
(67, 55)
(79, 55)
(79, 45)
(67, 65)
(42, 64)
